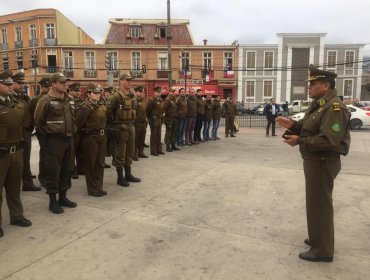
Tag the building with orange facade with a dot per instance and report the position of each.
(43, 41)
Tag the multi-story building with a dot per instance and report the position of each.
(43, 41)
(31, 41)
(280, 70)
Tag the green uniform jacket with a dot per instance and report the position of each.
(192, 107)
(154, 108)
(216, 110)
(182, 106)
(208, 110)
(325, 128)
(121, 108)
(25, 100)
(200, 106)
(54, 115)
(12, 121)
(170, 107)
(91, 115)
(141, 109)
(228, 108)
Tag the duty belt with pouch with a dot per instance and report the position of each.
(92, 131)
(127, 124)
(10, 148)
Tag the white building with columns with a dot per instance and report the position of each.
(280, 70)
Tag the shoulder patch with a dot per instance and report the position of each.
(322, 102)
(336, 106)
(336, 126)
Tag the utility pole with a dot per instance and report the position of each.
(169, 41)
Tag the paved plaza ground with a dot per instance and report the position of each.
(227, 209)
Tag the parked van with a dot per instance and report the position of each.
(298, 106)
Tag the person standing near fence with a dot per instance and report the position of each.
(229, 114)
(207, 119)
(271, 111)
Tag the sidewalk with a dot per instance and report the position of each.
(227, 209)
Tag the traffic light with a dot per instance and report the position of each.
(108, 61)
(144, 68)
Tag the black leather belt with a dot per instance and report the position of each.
(10, 148)
(98, 131)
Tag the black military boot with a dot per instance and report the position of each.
(129, 177)
(120, 179)
(168, 148)
(54, 205)
(64, 201)
(174, 147)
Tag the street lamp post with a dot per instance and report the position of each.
(169, 40)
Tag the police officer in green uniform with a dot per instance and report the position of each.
(154, 111)
(74, 91)
(27, 177)
(170, 111)
(207, 119)
(229, 114)
(190, 118)
(182, 106)
(104, 100)
(54, 117)
(91, 122)
(216, 116)
(45, 85)
(121, 116)
(199, 117)
(323, 135)
(12, 121)
(140, 122)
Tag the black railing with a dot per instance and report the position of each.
(249, 121)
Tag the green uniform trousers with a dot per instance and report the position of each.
(11, 166)
(155, 135)
(229, 124)
(320, 175)
(170, 136)
(26, 174)
(140, 133)
(59, 163)
(125, 146)
(42, 138)
(93, 151)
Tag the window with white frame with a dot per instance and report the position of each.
(267, 88)
(135, 61)
(4, 36)
(33, 32)
(162, 61)
(350, 57)
(135, 31)
(228, 61)
(332, 59)
(207, 61)
(269, 59)
(90, 60)
(114, 60)
(50, 31)
(18, 34)
(185, 61)
(251, 60)
(250, 87)
(68, 60)
(348, 88)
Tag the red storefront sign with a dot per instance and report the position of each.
(206, 89)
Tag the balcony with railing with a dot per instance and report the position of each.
(50, 42)
(18, 44)
(33, 43)
(4, 46)
(68, 73)
(90, 73)
(182, 74)
(137, 73)
(207, 72)
(162, 74)
(51, 69)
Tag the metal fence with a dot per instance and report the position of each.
(249, 121)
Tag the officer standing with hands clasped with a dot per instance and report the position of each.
(12, 120)
(54, 117)
(154, 114)
(323, 135)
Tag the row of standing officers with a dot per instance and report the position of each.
(67, 127)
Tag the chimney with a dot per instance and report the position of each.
(205, 42)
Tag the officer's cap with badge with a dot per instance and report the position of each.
(157, 89)
(126, 76)
(59, 77)
(45, 82)
(19, 78)
(95, 88)
(109, 89)
(139, 89)
(75, 86)
(6, 77)
(317, 74)
(172, 90)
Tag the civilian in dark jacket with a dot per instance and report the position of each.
(271, 110)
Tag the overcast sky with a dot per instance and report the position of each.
(222, 21)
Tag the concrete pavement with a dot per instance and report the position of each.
(227, 209)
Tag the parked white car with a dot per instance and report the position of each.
(359, 117)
